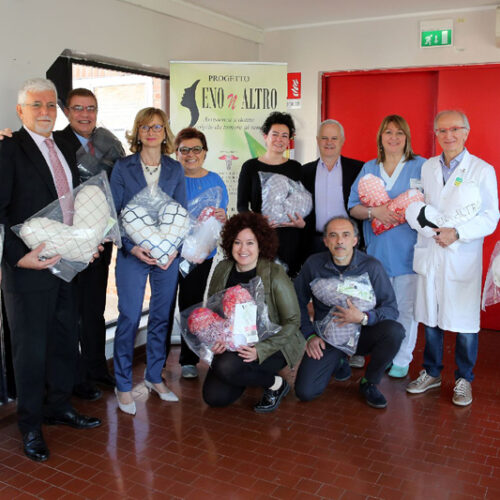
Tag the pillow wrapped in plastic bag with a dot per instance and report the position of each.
(282, 196)
(461, 204)
(372, 193)
(74, 226)
(156, 222)
(101, 154)
(491, 292)
(334, 292)
(204, 235)
(236, 316)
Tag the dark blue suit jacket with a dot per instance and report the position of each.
(127, 179)
(26, 186)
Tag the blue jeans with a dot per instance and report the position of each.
(466, 345)
(381, 341)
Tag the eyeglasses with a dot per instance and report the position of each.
(79, 108)
(195, 149)
(453, 130)
(155, 128)
(39, 105)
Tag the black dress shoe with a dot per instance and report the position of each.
(73, 419)
(107, 381)
(87, 391)
(34, 446)
(271, 399)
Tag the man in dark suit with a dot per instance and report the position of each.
(329, 180)
(96, 149)
(36, 169)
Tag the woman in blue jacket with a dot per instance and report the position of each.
(398, 166)
(150, 140)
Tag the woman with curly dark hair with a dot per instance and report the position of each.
(277, 130)
(249, 245)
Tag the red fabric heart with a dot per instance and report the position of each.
(235, 295)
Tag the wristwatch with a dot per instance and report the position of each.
(364, 321)
(369, 213)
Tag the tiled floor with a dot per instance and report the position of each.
(336, 447)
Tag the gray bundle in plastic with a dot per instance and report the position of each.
(282, 196)
(107, 148)
(334, 292)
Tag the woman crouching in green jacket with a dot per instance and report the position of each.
(249, 245)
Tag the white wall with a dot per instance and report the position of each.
(33, 33)
(389, 43)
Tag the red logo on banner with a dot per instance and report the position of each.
(294, 86)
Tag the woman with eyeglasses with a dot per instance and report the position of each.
(191, 150)
(151, 140)
(398, 166)
(278, 129)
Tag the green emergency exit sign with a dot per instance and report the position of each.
(435, 38)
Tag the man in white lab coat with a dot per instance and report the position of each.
(461, 193)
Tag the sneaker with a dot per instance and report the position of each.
(272, 399)
(462, 393)
(372, 395)
(357, 361)
(343, 372)
(398, 371)
(189, 371)
(423, 383)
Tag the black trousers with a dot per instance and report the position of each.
(44, 330)
(191, 291)
(92, 284)
(289, 250)
(7, 383)
(381, 340)
(229, 376)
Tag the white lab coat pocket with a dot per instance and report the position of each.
(421, 260)
(463, 264)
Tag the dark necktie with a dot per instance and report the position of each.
(61, 182)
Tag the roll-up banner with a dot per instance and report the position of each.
(228, 102)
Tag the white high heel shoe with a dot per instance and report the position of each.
(125, 407)
(164, 396)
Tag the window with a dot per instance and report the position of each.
(121, 92)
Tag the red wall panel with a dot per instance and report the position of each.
(359, 100)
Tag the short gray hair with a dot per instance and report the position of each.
(332, 122)
(452, 111)
(341, 217)
(34, 85)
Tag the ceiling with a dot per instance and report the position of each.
(281, 14)
(250, 19)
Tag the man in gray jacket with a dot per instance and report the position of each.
(345, 267)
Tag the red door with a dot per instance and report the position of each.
(359, 100)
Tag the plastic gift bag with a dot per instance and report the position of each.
(461, 204)
(282, 196)
(334, 292)
(100, 156)
(491, 292)
(91, 210)
(372, 193)
(236, 316)
(156, 222)
(204, 235)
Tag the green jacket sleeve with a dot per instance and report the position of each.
(283, 309)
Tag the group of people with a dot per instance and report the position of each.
(413, 278)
